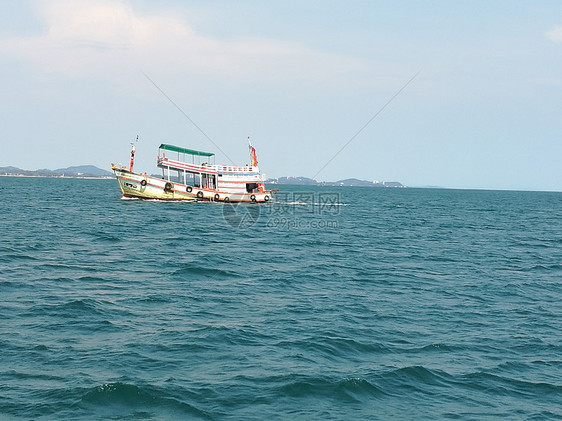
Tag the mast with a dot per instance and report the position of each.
(133, 154)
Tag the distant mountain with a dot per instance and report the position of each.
(293, 180)
(9, 170)
(353, 182)
(19, 172)
(304, 181)
(84, 170)
(77, 171)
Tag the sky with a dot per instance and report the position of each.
(459, 94)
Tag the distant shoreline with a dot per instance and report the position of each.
(87, 177)
(80, 171)
(348, 182)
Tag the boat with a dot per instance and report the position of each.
(186, 177)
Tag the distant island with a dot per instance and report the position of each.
(304, 181)
(82, 171)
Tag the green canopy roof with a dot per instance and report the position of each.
(183, 150)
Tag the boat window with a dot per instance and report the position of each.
(250, 187)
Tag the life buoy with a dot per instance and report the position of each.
(266, 198)
(143, 183)
(168, 186)
(217, 197)
(200, 194)
(253, 198)
(188, 189)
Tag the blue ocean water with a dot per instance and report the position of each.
(332, 303)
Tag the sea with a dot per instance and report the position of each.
(329, 303)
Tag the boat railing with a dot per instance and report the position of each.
(236, 168)
(181, 165)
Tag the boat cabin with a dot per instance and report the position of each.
(198, 169)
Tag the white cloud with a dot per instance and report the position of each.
(555, 34)
(99, 37)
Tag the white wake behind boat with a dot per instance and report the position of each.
(185, 179)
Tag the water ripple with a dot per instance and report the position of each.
(416, 304)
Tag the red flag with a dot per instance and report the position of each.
(253, 157)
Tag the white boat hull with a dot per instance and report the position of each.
(134, 185)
